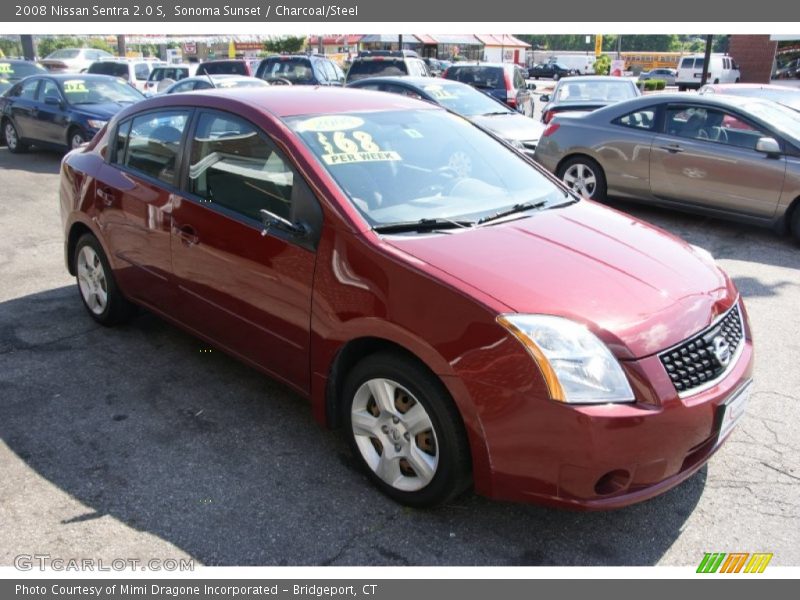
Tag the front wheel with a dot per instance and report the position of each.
(98, 289)
(584, 177)
(76, 138)
(794, 226)
(405, 431)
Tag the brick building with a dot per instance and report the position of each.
(755, 55)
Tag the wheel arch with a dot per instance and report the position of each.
(577, 154)
(791, 213)
(76, 231)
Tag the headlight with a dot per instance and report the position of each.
(577, 367)
(96, 124)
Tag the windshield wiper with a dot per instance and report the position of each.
(423, 225)
(517, 208)
(497, 112)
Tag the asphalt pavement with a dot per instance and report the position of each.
(136, 442)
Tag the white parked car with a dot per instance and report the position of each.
(73, 60)
(133, 71)
(722, 69)
(164, 76)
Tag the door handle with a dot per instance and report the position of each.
(673, 148)
(105, 195)
(187, 234)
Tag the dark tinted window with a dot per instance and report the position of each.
(27, 90)
(50, 90)
(640, 119)
(295, 69)
(687, 63)
(122, 138)
(18, 69)
(154, 144)
(361, 69)
(141, 71)
(235, 166)
(115, 69)
(226, 67)
(480, 77)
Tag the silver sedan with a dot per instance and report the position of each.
(725, 156)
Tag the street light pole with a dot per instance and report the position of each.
(706, 60)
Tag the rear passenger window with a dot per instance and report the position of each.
(154, 144)
(640, 119)
(141, 71)
(123, 130)
(235, 166)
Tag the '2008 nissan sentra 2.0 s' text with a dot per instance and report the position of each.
(462, 315)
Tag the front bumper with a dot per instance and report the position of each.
(599, 457)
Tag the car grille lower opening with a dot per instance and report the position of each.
(705, 357)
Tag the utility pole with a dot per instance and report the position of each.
(400, 42)
(123, 51)
(707, 60)
(28, 47)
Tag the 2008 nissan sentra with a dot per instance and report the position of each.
(458, 312)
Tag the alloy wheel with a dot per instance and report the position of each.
(11, 137)
(394, 434)
(581, 179)
(92, 280)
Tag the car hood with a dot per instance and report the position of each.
(103, 111)
(511, 126)
(638, 288)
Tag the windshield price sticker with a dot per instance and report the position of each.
(75, 85)
(358, 146)
(5, 68)
(440, 93)
(330, 123)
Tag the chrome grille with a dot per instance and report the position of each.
(703, 359)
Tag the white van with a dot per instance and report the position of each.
(723, 69)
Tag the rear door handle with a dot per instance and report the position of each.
(106, 195)
(187, 234)
(674, 148)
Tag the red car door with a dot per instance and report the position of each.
(134, 193)
(248, 291)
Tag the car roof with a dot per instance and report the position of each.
(597, 78)
(217, 77)
(409, 81)
(752, 86)
(288, 101)
(483, 64)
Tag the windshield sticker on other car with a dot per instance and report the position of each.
(330, 123)
(440, 93)
(5, 68)
(74, 86)
(358, 146)
(413, 133)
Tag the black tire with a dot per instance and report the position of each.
(75, 137)
(598, 192)
(452, 473)
(117, 308)
(794, 225)
(556, 76)
(15, 147)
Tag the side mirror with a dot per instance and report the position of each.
(545, 97)
(531, 86)
(768, 145)
(270, 219)
(52, 101)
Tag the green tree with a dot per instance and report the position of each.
(10, 48)
(46, 45)
(602, 65)
(286, 43)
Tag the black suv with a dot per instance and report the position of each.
(387, 63)
(300, 69)
(554, 71)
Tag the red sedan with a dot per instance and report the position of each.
(454, 308)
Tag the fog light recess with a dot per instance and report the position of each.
(612, 482)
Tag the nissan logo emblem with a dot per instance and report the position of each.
(722, 350)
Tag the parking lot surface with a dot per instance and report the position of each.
(140, 441)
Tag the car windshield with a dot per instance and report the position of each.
(480, 77)
(296, 70)
(115, 69)
(781, 118)
(65, 53)
(101, 90)
(12, 71)
(425, 164)
(376, 67)
(790, 98)
(464, 99)
(594, 91)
